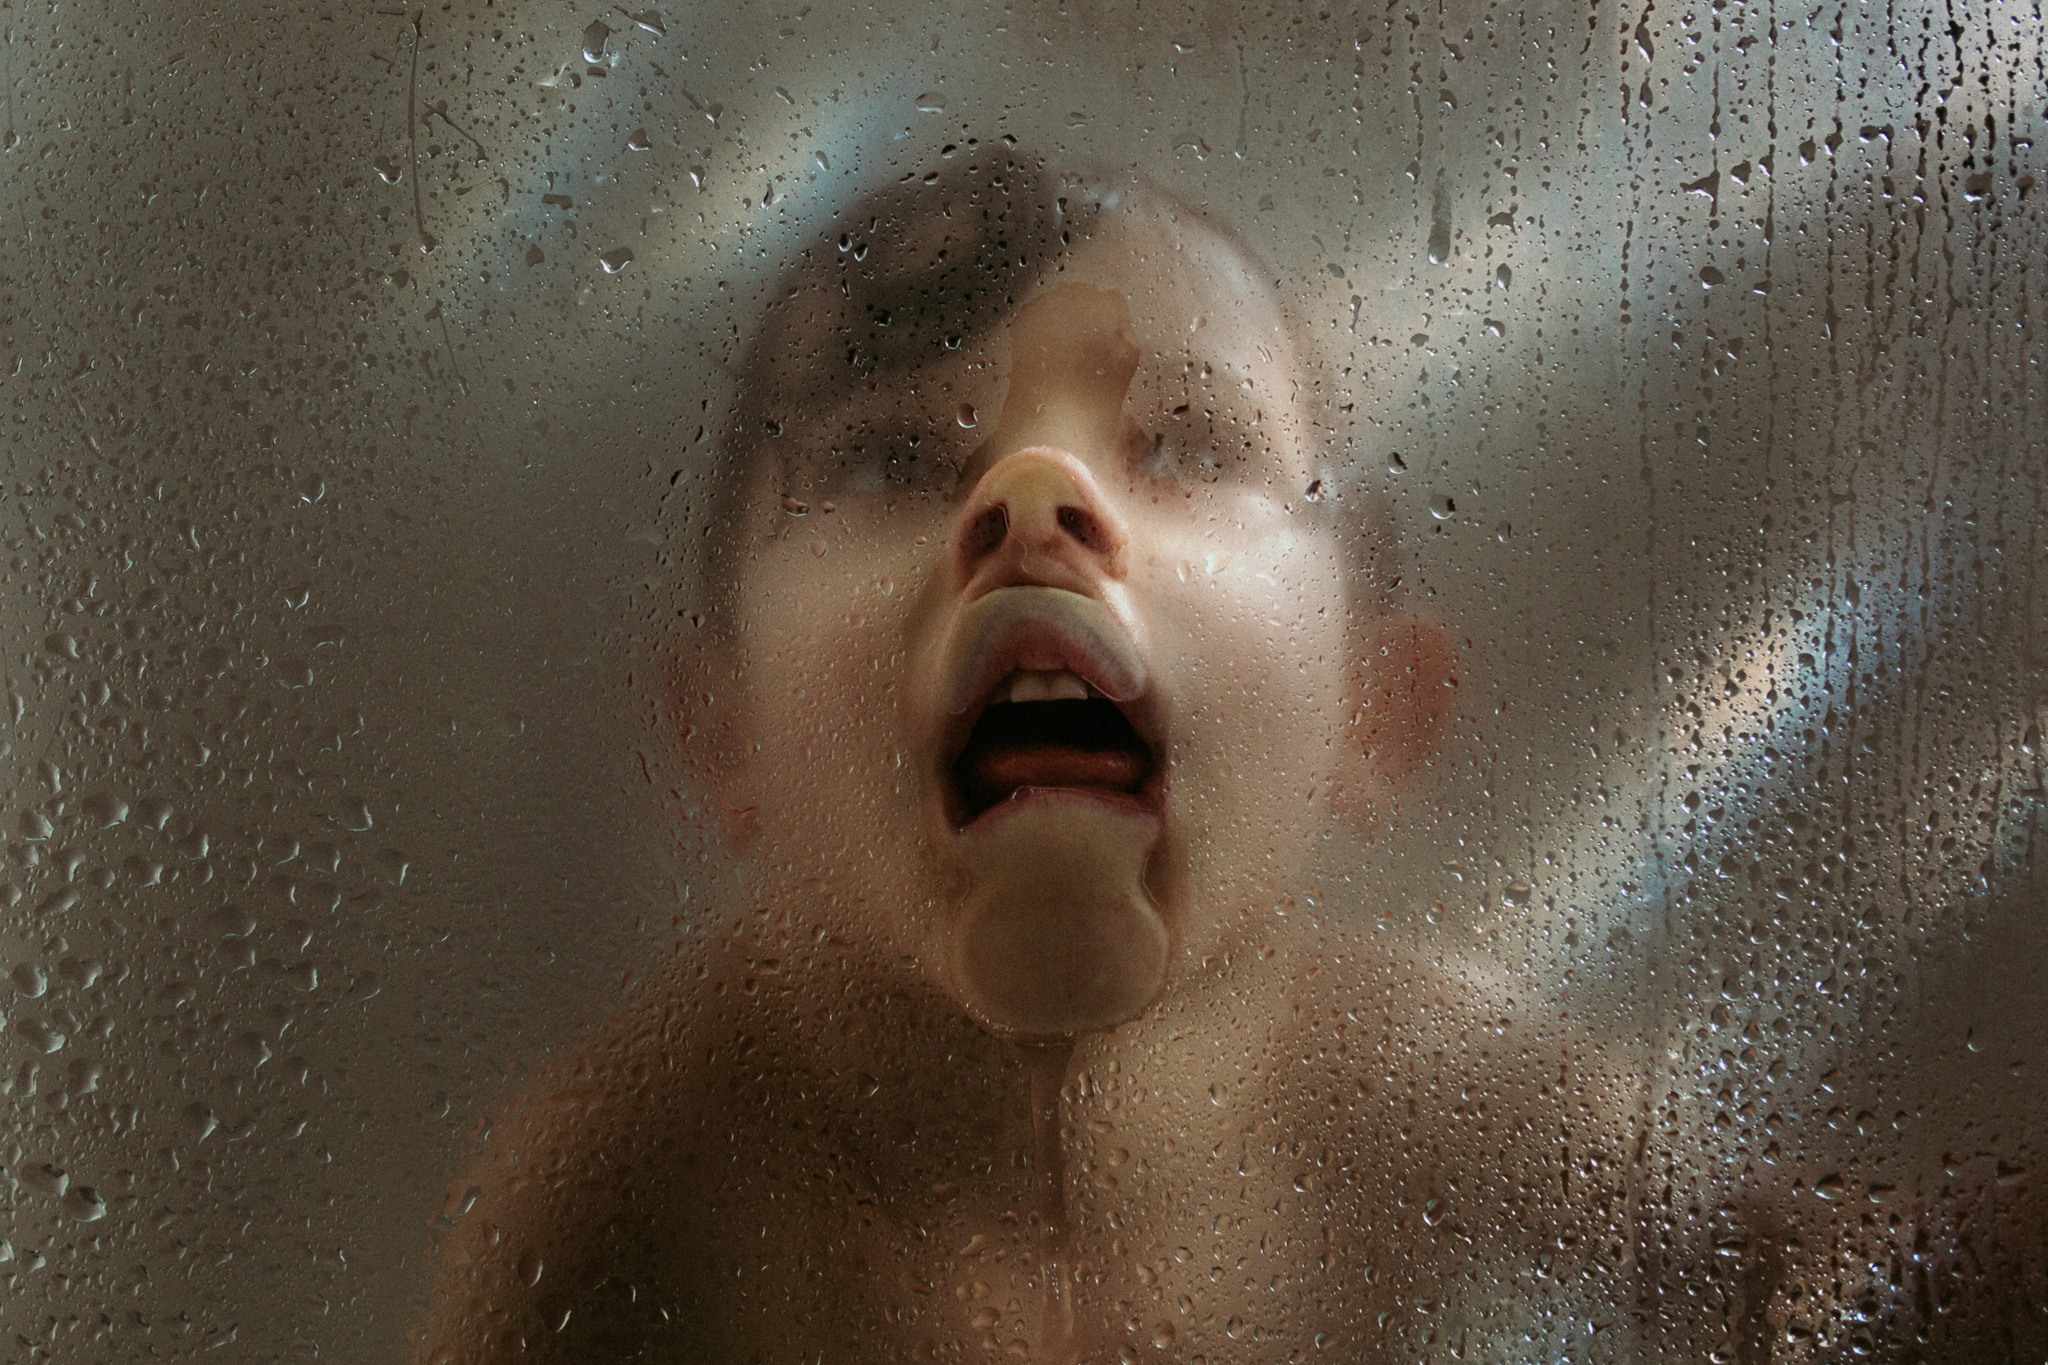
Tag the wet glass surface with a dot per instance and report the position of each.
(1063, 682)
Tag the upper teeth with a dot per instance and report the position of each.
(1059, 685)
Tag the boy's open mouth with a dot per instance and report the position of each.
(1044, 732)
(1047, 698)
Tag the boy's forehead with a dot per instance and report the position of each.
(1199, 313)
(1188, 288)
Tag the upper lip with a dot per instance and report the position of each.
(1041, 629)
(1038, 628)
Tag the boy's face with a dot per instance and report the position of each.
(1056, 731)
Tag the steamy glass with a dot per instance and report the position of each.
(557, 811)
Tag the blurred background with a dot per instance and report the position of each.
(363, 373)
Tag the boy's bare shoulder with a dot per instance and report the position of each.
(619, 1197)
(575, 1233)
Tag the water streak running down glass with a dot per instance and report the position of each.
(1077, 683)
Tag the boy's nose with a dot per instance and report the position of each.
(1039, 517)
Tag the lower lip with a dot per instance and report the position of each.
(1145, 803)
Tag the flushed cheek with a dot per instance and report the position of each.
(830, 768)
(1254, 675)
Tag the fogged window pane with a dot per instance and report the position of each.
(1067, 683)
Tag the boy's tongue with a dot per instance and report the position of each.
(1009, 767)
(1086, 744)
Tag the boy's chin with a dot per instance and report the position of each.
(1057, 933)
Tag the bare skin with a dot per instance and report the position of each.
(1040, 1047)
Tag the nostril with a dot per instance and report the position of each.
(1086, 529)
(985, 532)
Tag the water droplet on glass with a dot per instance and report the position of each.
(1440, 224)
(254, 1048)
(639, 142)
(39, 1036)
(1396, 465)
(1183, 44)
(793, 506)
(30, 980)
(931, 102)
(84, 1205)
(1502, 278)
(823, 164)
(199, 1121)
(593, 41)
(1443, 507)
(103, 810)
(649, 20)
(1515, 895)
(615, 260)
(966, 416)
(697, 177)
(1217, 1093)
(388, 170)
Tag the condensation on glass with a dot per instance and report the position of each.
(465, 896)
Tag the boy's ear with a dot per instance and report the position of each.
(1400, 686)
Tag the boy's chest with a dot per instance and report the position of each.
(1210, 1275)
(1190, 1231)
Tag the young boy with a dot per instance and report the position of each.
(1048, 650)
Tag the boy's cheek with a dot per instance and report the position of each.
(1258, 692)
(825, 664)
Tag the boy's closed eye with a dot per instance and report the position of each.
(875, 454)
(1203, 445)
